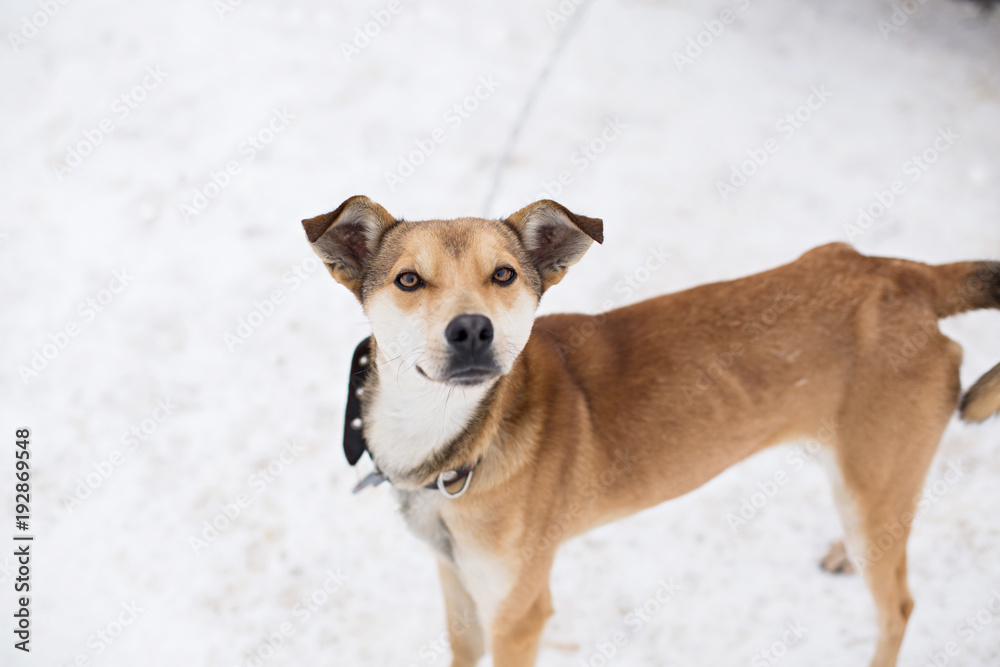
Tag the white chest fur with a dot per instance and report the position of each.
(410, 418)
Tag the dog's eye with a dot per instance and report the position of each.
(504, 276)
(408, 281)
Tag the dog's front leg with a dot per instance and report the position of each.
(516, 633)
(516, 628)
(464, 631)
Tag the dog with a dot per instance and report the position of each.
(504, 435)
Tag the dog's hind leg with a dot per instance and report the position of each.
(465, 634)
(836, 560)
(876, 536)
(887, 433)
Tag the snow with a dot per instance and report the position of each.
(201, 83)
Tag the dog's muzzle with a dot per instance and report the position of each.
(470, 350)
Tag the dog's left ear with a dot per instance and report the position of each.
(345, 238)
(555, 237)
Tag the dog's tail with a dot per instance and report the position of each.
(965, 286)
(961, 287)
(983, 398)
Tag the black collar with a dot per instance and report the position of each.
(354, 437)
(355, 444)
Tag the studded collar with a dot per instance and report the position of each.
(355, 444)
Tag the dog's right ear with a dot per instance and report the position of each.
(345, 238)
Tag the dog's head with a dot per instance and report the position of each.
(450, 301)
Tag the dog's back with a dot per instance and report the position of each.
(733, 367)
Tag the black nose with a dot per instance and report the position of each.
(469, 333)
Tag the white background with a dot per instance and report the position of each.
(64, 235)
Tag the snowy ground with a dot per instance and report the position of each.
(326, 126)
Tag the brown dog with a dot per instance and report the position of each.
(530, 432)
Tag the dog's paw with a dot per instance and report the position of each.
(836, 560)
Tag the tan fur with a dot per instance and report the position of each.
(983, 398)
(602, 416)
